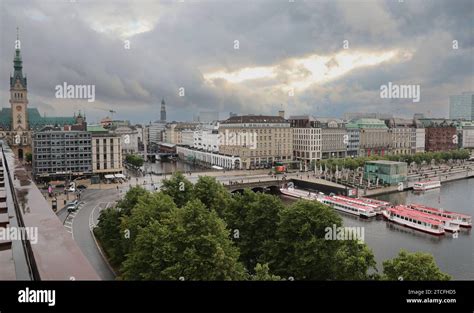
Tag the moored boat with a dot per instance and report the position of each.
(426, 185)
(377, 205)
(348, 207)
(463, 220)
(414, 219)
(299, 194)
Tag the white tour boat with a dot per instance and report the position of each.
(463, 220)
(299, 194)
(413, 219)
(348, 207)
(377, 205)
(426, 185)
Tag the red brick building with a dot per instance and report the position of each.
(440, 138)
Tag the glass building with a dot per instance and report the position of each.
(462, 106)
(387, 172)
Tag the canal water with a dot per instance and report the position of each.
(454, 256)
(171, 167)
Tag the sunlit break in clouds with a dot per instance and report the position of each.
(301, 73)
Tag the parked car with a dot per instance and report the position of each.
(81, 187)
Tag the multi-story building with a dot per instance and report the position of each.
(440, 134)
(385, 172)
(403, 135)
(130, 138)
(466, 134)
(206, 138)
(375, 138)
(419, 139)
(59, 154)
(155, 132)
(259, 140)
(462, 106)
(334, 138)
(187, 137)
(173, 131)
(306, 139)
(106, 151)
(353, 142)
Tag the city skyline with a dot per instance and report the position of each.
(263, 57)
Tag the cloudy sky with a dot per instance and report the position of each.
(308, 57)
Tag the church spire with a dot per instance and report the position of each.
(17, 63)
(163, 110)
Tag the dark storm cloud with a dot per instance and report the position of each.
(174, 44)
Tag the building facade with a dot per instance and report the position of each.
(206, 158)
(385, 172)
(207, 138)
(130, 138)
(466, 135)
(403, 135)
(106, 151)
(59, 154)
(334, 138)
(306, 139)
(375, 137)
(440, 135)
(420, 140)
(155, 132)
(353, 142)
(259, 140)
(462, 106)
(173, 131)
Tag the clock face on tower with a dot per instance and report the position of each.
(18, 108)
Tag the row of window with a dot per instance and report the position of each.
(409, 219)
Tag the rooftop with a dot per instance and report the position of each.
(254, 119)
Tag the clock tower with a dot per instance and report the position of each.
(18, 93)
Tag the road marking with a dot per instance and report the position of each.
(68, 223)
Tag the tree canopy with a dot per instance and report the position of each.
(191, 243)
(412, 266)
(202, 232)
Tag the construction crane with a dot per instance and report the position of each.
(112, 112)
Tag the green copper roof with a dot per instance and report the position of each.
(35, 120)
(96, 129)
(367, 123)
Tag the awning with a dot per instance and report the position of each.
(110, 176)
(119, 176)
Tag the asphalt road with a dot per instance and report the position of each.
(79, 224)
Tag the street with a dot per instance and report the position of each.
(79, 224)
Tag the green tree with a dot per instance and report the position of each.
(134, 160)
(253, 218)
(178, 188)
(131, 199)
(28, 157)
(149, 207)
(109, 235)
(354, 261)
(413, 266)
(212, 194)
(190, 242)
(302, 251)
(262, 273)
